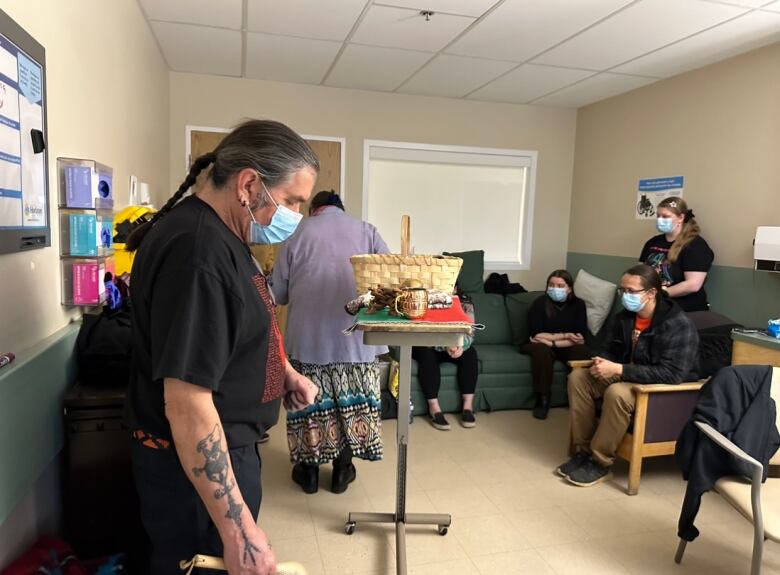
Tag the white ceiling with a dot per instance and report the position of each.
(566, 53)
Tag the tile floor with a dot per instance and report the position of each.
(510, 513)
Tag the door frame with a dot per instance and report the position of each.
(188, 129)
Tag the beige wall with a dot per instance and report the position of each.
(718, 126)
(358, 115)
(107, 100)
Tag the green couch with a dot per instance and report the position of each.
(505, 379)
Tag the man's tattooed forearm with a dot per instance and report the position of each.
(216, 469)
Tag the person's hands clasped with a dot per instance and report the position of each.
(249, 553)
(575, 338)
(605, 369)
(455, 352)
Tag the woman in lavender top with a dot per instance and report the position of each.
(313, 275)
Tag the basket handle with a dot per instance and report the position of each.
(405, 235)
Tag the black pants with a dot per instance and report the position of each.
(543, 358)
(173, 513)
(429, 370)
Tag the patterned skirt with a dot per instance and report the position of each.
(345, 413)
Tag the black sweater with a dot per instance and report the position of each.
(568, 317)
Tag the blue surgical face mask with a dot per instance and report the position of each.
(664, 225)
(633, 302)
(282, 225)
(557, 294)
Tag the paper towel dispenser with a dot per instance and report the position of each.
(766, 249)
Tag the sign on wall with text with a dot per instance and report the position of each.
(652, 191)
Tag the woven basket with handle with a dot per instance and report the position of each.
(392, 270)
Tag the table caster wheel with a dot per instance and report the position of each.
(349, 528)
(443, 529)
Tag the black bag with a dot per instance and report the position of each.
(499, 283)
(389, 405)
(104, 347)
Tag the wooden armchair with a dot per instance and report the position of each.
(660, 413)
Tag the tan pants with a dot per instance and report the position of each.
(600, 441)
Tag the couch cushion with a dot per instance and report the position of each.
(471, 276)
(517, 306)
(489, 309)
(598, 294)
(502, 359)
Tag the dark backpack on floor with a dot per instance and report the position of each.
(104, 347)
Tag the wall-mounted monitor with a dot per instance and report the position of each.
(24, 181)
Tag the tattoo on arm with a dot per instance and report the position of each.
(216, 469)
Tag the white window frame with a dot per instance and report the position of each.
(526, 227)
(188, 129)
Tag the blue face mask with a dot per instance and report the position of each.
(557, 294)
(282, 225)
(633, 302)
(664, 225)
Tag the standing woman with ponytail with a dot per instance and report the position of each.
(679, 255)
(209, 369)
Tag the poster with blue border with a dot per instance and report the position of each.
(22, 171)
(651, 191)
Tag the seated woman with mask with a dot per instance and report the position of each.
(557, 324)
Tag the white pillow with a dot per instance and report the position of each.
(598, 295)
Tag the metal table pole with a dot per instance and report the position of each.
(401, 518)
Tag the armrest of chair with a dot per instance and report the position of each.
(580, 363)
(666, 388)
(724, 443)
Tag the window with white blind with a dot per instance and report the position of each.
(458, 198)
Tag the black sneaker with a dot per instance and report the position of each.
(307, 476)
(264, 438)
(542, 407)
(342, 477)
(467, 418)
(589, 473)
(575, 462)
(438, 421)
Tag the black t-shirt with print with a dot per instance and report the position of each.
(202, 314)
(695, 257)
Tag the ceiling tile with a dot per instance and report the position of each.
(454, 76)
(286, 59)
(195, 12)
(593, 89)
(748, 3)
(199, 49)
(527, 83)
(462, 7)
(773, 6)
(304, 18)
(640, 28)
(374, 68)
(518, 30)
(405, 28)
(747, 32)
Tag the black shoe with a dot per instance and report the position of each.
(438, 421)
(542, 406)
(588, 474)
(467, 418)
(307, 476)
(575, 462)
(264, 438)
(342, 477)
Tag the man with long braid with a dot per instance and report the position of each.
(209, 370)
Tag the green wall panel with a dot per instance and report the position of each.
(744, 295)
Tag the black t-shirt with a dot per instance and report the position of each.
(695, 257)
(568, 317)
(202, 313)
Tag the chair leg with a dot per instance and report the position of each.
(634, 473)
(758, 552)
(680, 550)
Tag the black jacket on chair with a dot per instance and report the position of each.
(736, 402)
